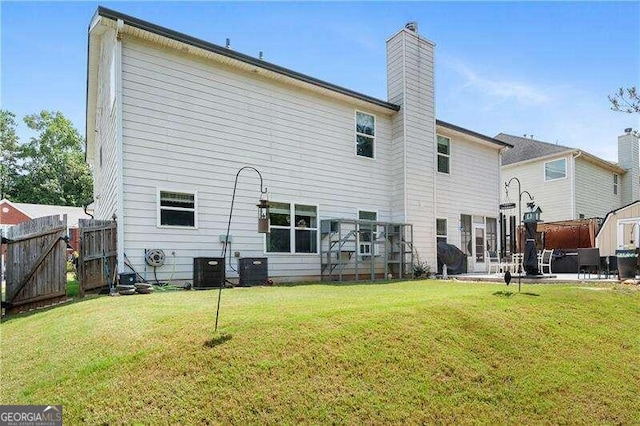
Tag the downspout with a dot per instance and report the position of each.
(573, 185)
(119, 147)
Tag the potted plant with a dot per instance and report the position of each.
(627, 264)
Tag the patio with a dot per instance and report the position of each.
(545, 279)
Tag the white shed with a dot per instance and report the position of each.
(620, 230)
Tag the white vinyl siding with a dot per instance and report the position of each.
(594, 196)
(471, 187)
(105, 163)
(554, 197)
(193, 125)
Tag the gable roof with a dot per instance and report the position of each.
(525, 149)
(41, 210)
(613, 212)
(528, 149)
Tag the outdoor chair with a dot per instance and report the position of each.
(544, 261)
(493, 261)
(588, 261)
(516, 263)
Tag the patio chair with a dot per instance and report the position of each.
(516, 263)
(493, 261)
(544, 261)
(588, 261)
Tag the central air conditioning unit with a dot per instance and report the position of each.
(208, 272)
(253, 271)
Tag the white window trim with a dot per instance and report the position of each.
(292, 240)
(446, 221)
(183, 191)
(544, 169)
(376, 251)
(356, 134)
(444, 155)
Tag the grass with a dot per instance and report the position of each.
(407, 352)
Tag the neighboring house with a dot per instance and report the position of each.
(14, 213)
(569, 183)
(171, 119)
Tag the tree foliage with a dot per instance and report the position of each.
(8, 153)
(626, 100)
(50, 167)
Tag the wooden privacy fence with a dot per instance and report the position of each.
(36, 263)
(97, 256)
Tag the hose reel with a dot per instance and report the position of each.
(154, 257)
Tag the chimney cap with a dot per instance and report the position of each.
(412, 26)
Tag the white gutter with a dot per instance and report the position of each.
(119, 147)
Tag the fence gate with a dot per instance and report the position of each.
(97, 256)
(36, 263)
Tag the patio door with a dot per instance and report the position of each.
(479, 247)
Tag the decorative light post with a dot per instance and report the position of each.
(263, 222)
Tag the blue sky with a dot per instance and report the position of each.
(515, 67)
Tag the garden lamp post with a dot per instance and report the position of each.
(263, 223)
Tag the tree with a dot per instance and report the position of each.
(53, 170)
(626, 100)
(9, 152)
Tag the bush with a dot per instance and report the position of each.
(420, 269)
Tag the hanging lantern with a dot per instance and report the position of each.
(263, 215)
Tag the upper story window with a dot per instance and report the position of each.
(177, 209)
(615, 184)
(292, 236)
(556, 169)
(441, 230)
(365, 134)
(444, 154)
(367, 233)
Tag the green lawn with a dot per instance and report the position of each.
(407, 352)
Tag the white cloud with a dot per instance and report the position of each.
(500, 90)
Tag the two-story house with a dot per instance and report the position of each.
(570, 183)
(171, 119)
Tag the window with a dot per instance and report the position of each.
(465, 234)
(367, 233)
(615, 184)
(365, 134)
(177, 209)
(297, 236)
(555, 169)
(444, 154)
(492, 235)
(441, 230)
